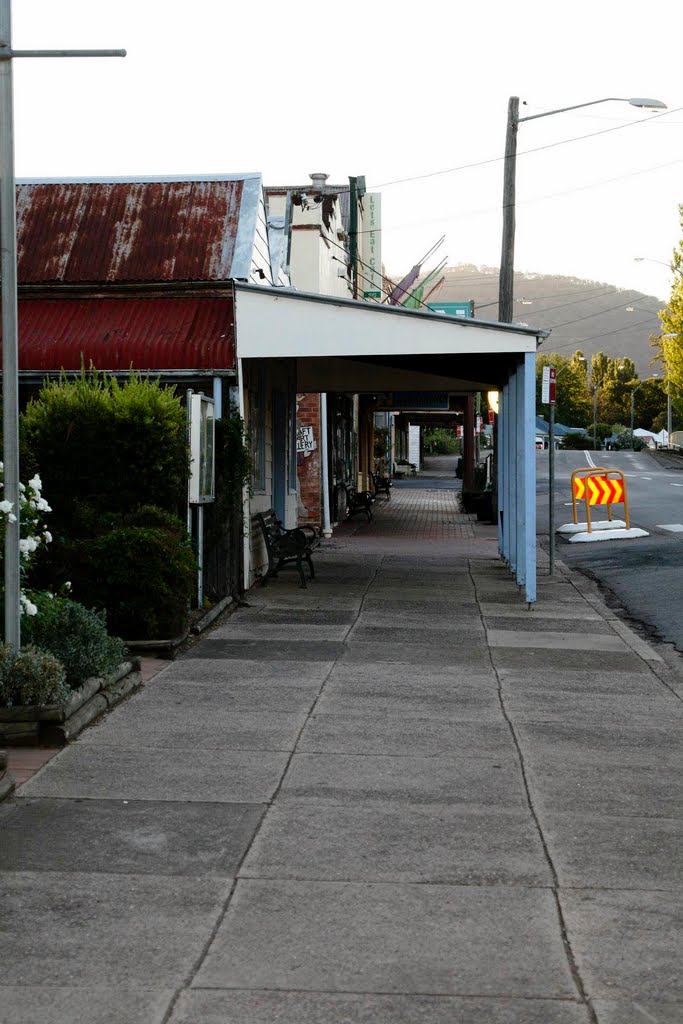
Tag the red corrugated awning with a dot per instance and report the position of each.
(120, 333)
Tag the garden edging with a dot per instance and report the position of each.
(33, 725)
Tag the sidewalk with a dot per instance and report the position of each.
(396, 796)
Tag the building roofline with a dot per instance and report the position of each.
(140, 179)
(375, 307)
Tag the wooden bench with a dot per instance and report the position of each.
(381, 484)
(287, 546)
(357, 502)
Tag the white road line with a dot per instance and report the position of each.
(672, 527)
(646, 478)
(677, 485)
(589, 460)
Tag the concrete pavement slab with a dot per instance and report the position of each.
(453, 635)
(178, 698)
(400, 735)
(307, 616)
(458, 781)
(492, 609)
(548, 662)
(467, 656)
(238, 629)
(601, 710)
(627, 944)
(92, 1004)
(199, 726)
(425, 698)
(264, 1007)
(418, 595)
(235, 671)
(310, 598)
(533, 623)
(114, 773)
(369, 937)
(611, 790)
(267, 650)
(437, 604)
(577, 681)
(126, 837)
(368, 674)
(602, 743)
(82, 929)
(591, 851)
(397, 842)
(637, 1011)
(555, 640)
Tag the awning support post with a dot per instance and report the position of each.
(501, 470)
(529, 475)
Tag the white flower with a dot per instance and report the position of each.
(36, 483)
(67, 585)
(28, 607)
(42, 505)
(11, 518)
(6, 506)
(22, 487)
(47, 537)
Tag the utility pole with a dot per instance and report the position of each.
(10, 337)
(507, 256)
(595, 417)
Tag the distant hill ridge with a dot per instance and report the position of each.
(589, 315)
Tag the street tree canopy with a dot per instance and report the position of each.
(670, 349)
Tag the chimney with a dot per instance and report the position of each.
(318, 180)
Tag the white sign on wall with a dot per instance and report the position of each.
(305, 442)
(370, 271)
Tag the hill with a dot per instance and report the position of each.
(587, 315)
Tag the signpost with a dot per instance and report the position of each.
(548, 398)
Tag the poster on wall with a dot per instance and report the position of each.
(305, 441)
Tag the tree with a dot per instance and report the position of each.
(670, 349)
(573, 401)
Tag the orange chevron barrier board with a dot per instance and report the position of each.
(601, 490)
(596, 485)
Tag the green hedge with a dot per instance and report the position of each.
(114, 462)
(110, 445)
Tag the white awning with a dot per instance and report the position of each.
(345, 345)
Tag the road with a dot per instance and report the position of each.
(645, 574)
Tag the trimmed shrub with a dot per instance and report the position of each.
(105, 444)
(77, 636)
(31, 676)
(142, 570)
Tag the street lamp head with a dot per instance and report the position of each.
(639, 101)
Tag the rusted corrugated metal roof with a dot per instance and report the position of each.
(99, 232)
(115, 334)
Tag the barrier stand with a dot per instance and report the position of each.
(598, 485)
(579, 490)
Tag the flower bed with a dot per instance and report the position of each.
(33, 725)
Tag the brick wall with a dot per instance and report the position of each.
(308, 462)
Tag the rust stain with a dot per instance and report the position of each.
(127, 232)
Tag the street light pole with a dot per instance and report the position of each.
(507, 257)
(10, 344)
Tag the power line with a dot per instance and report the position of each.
(523, 152)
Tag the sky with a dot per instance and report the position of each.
(392, 91)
